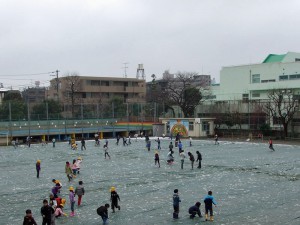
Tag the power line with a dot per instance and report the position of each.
(29, 74)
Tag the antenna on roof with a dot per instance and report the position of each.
(125, 69)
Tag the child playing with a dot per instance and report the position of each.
(209, 200)
(103, 212)
(59, 211)
(179, 147)
(199, 158)
(216, 139)
(79, 191)
(192, 159)
(158, 143)
(114, 198)
(148, 145)
(182, 157)
(46, 212)
(57, 182)
(193, 210)
(68, 171)
(38, 168)
(55, 190)
(156, 159)
(170, 157)
(72, 200)
(78, 164)
(28, 219)
(191, 141)
(271, 145)
(176, 201)
(74, 167)
(105, 148)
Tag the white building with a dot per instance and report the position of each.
(3, 91)
(253, 81)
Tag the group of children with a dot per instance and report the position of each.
(170, 157)
(114, 199)
(194, 210)
(54, 207)
(72, 169)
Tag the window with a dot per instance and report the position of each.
(297, 59)
(255, 78)
(210, 97)
(105, 83)
(205, 126)
(267, 81)
(294, 77)
(191, 126)
(95, 82)
(255, 95)
(283, 77)
(245, 96)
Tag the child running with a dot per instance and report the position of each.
(68, 171)
(209, 200)
(105, 148)
(114, 198)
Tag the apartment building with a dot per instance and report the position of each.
(87, 89)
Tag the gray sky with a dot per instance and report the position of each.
(95, 37)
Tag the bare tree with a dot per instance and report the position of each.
(283, 105)
(182, 91)
(72, 88)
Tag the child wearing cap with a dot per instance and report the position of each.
(38, 168)
(79, 191)
(59, 211)
(114, 198)
(28, 219)
(72, 200)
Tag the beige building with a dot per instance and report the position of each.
(97, 89)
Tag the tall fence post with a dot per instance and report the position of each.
(10, 128)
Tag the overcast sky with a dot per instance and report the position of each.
(95, 37)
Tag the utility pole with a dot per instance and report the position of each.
(57, 84)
